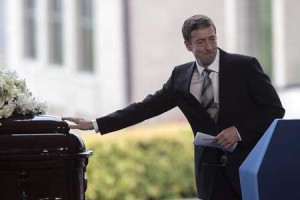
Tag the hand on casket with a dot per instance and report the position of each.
(80, 123)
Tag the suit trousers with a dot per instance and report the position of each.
(222, 188)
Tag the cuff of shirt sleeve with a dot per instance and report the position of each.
(95, 126)
(240, 139)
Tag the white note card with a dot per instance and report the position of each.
(206, 140)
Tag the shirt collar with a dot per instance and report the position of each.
(214, 66)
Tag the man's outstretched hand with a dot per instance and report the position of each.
(80, 123)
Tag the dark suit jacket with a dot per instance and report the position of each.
(247, 100)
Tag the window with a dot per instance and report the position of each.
(30, 29)
(55, 34)
(85, 35)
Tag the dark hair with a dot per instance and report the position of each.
(196, 22)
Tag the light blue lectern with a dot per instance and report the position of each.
(272, 169)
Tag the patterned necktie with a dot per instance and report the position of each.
(207, 96)
(207, 93)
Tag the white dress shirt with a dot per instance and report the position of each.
(96, 128)
(197, 79)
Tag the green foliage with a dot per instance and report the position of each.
(265, 35)
(141, 163)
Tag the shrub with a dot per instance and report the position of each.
(148, 163)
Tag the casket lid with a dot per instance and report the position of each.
(39, 135)
(31, 125)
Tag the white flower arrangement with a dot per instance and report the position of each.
(15, 99)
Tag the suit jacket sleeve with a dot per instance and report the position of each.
(153, 105)
(268, 104)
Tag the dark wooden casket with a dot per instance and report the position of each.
(41, 160)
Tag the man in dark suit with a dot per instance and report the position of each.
(225, 95)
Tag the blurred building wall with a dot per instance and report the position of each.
(286, 42)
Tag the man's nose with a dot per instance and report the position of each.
(208, 45)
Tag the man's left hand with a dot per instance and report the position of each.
(227, 137)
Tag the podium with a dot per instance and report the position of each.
(272, 169)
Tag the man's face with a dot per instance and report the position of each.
(203, 44)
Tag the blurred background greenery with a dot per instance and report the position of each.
(145, 162)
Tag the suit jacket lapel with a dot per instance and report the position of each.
(223, 75)
(187, 77)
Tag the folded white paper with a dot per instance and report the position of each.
(203, 139)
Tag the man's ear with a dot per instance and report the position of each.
(188, 45)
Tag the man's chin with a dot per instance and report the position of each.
(207, 62)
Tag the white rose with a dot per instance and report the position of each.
(40, 108)
(1, 113)
(8, 110)
(1, 102)
(29, 105)
(22, 99)
(43, 107)
(1, 83)
(23, 103)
